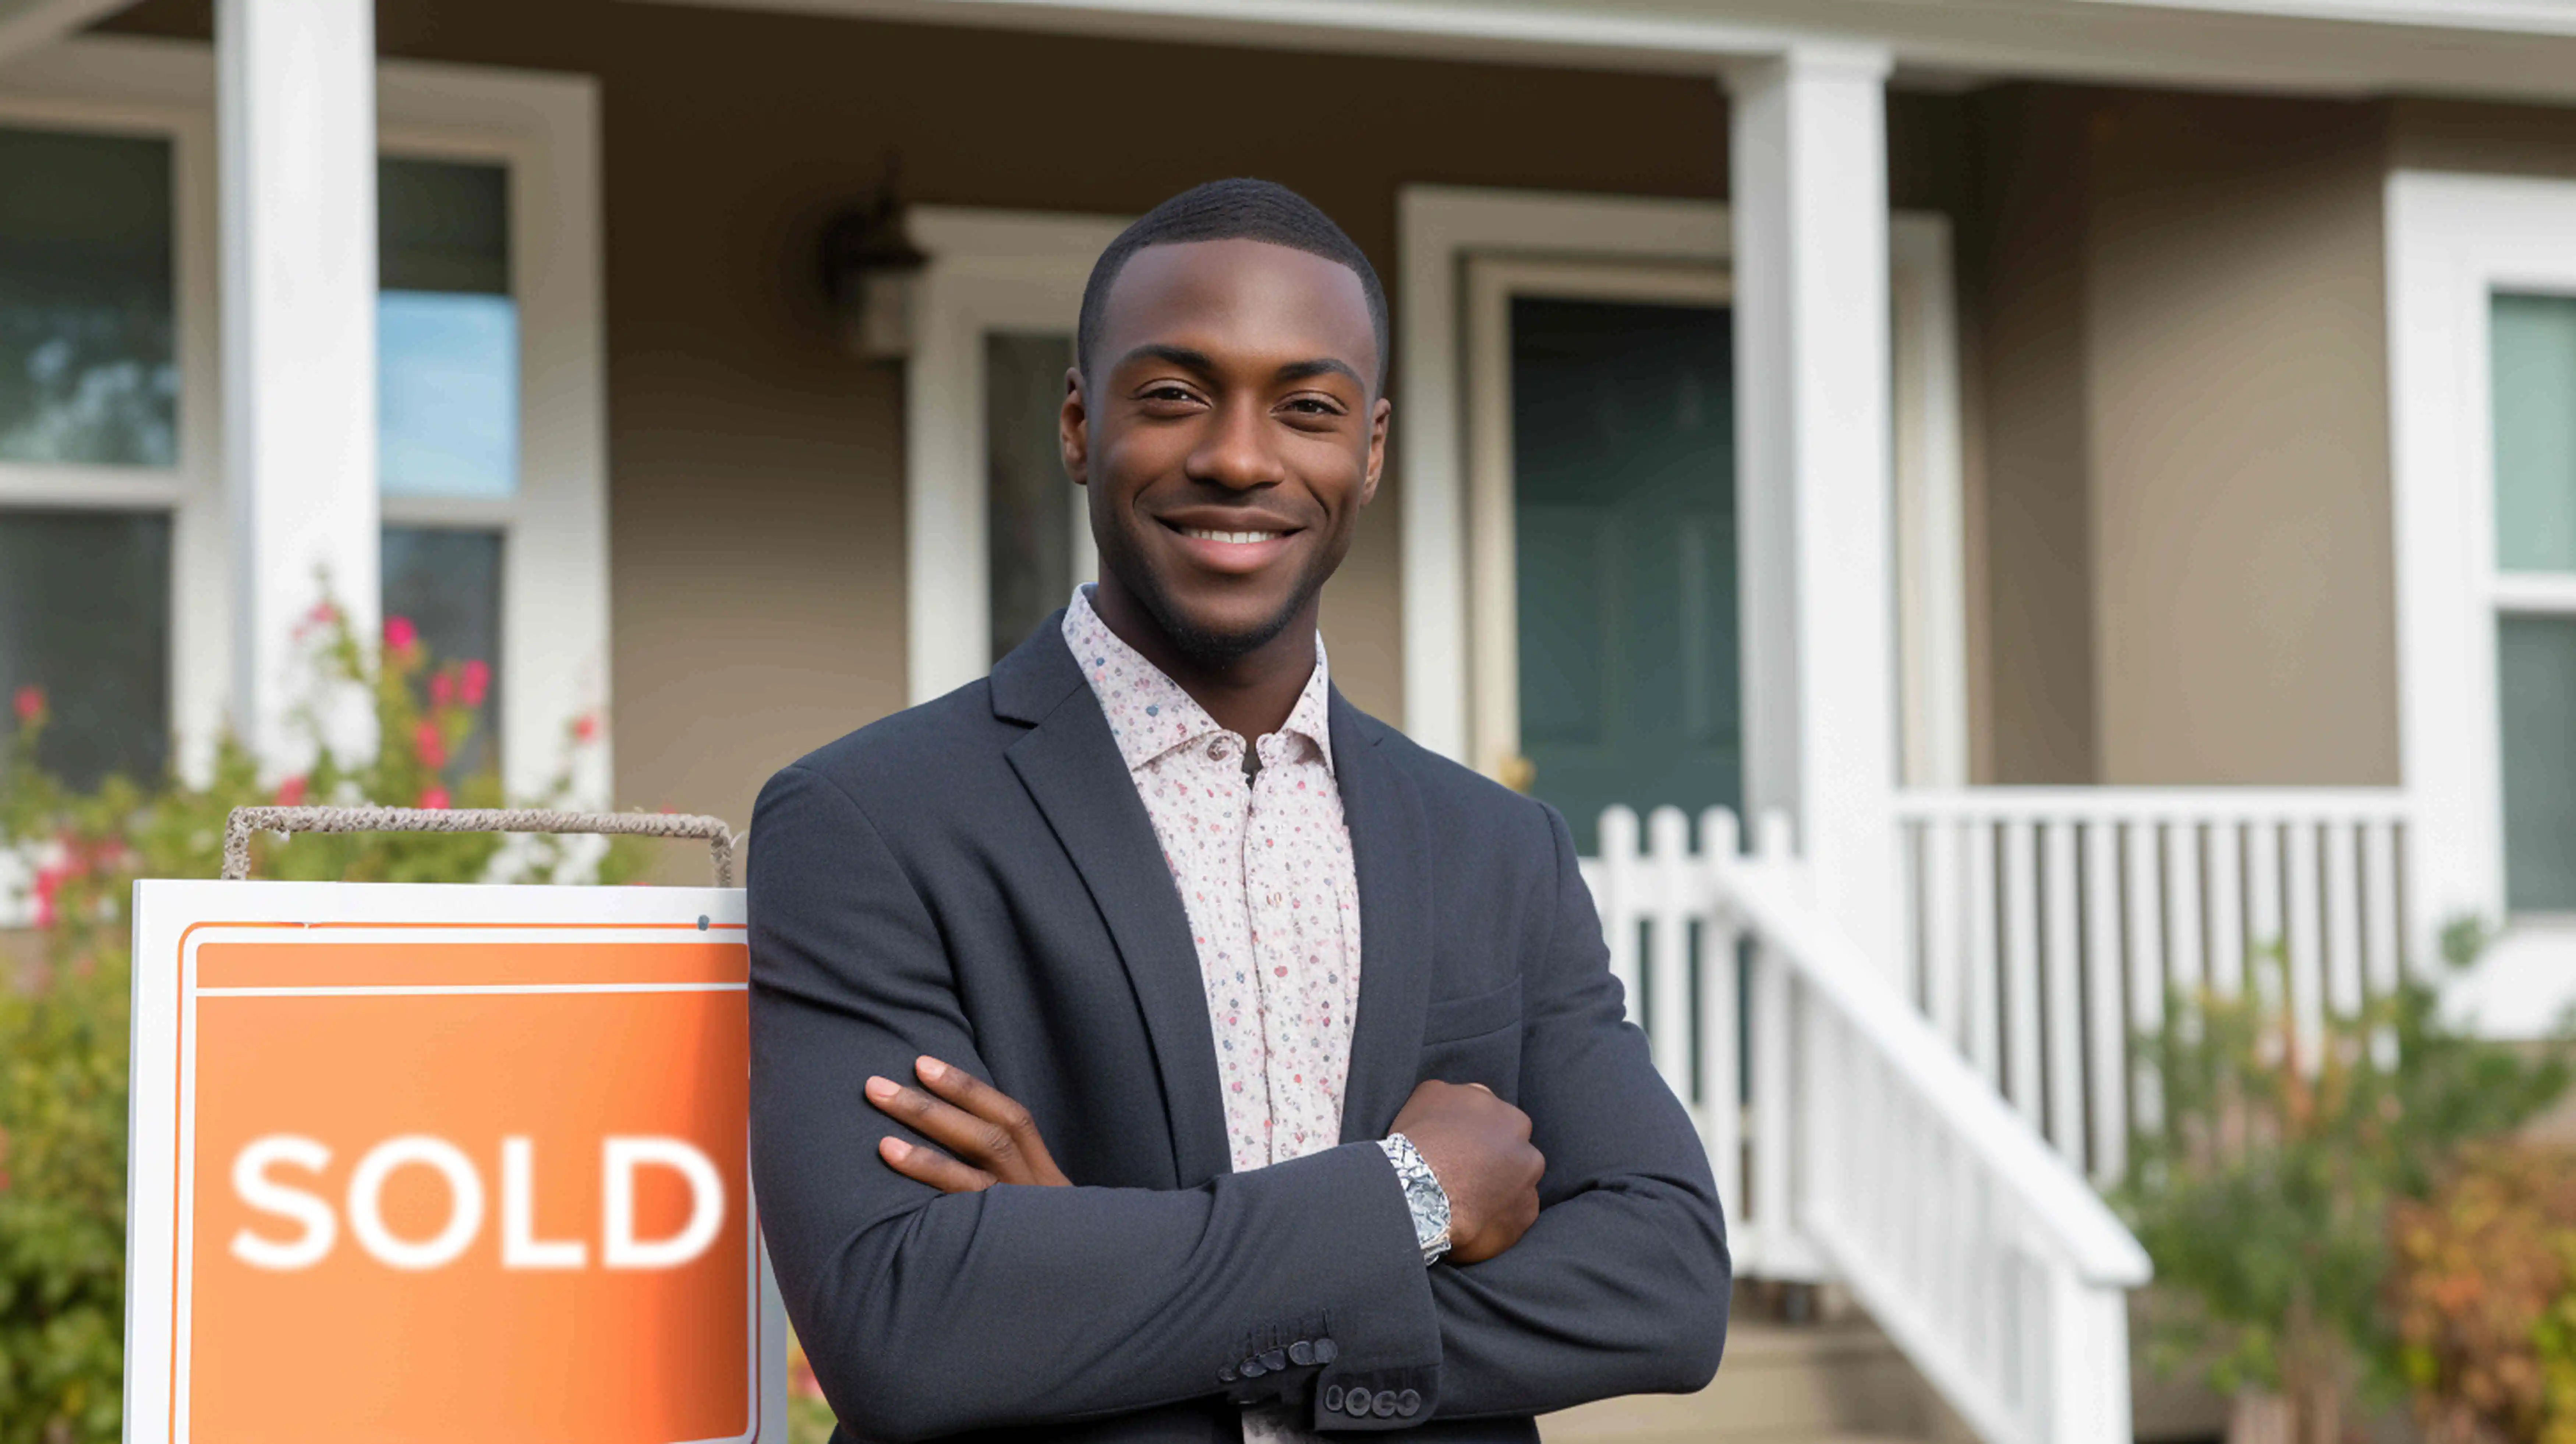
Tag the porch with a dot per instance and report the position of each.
(2063, 668)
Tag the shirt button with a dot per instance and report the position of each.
(1217, 749)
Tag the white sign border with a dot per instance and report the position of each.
(157, 1171)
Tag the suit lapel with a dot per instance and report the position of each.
(1071, 767)
(1390, 847)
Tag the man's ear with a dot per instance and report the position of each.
(1378, 418)
(1073, 430)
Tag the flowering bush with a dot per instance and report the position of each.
(63, 1018)
(2266, 1197)
(2485, 1293)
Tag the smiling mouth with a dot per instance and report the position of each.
(1239, 538)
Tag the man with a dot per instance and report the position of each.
(1148, 1045)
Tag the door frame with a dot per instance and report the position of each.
(1440, 230)
(1493, 571)
(989, 270)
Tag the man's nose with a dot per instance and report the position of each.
(1236, 453)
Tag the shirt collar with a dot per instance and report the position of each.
(1149, 713)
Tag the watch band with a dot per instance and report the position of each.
(1423, 1195)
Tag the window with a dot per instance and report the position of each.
(115, 542)
(85, 616)
(447, 407)
(88, 372)
(2532, 341)
(1030, 506)
(89, 441)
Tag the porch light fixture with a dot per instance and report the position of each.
(872, 271)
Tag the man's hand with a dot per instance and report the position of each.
(1478, 1147)
(991, 1135)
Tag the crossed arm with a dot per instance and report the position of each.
(930, 1309)
(1478, 1146)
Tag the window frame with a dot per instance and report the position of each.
(990, 270)
(555, 628)
(97, 92)
(2454, 242)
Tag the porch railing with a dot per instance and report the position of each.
(1851, 1139)
(2044, 926)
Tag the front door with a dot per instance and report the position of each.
(1606, 441)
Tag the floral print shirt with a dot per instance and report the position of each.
(1264, 869)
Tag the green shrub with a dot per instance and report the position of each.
(2266, 1197)
(63, 1018)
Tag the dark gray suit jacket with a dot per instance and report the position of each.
(977, 879)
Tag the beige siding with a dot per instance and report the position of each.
(2024, 260)
(2187, 559)
(2243, 602)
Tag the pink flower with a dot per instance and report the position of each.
(585, 728)
(29, 704)
(435, 798)
(432, 747)
(476, 676)
(49, 884)
(290, 793)
(442, 688)
(400, 634)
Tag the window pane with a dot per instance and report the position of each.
(448, 585)
(447, 331)
(85, 615)
(1029, 520)
(2534, 342)
(87, 365)
(2536, 683)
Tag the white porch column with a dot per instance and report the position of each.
(296, 129)
(1809, 193)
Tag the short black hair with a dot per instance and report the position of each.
(1231, 210)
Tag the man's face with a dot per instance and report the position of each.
(1230, 436)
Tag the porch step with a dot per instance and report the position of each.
(1835, 1383)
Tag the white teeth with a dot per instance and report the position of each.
(1239, 537)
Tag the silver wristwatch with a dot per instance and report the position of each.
(1422, 1194)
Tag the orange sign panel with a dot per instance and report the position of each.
(461, 1183)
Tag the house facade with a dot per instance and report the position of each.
(2103, 474)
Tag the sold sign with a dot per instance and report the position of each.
(421, 1163)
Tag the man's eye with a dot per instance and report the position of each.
(1313, 406)
(1168, 393)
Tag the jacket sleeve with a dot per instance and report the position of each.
(926, 1314)
(1621, 1286)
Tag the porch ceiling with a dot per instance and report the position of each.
(2523, 49)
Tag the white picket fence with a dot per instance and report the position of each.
(1850, 1139)
(2046, 924)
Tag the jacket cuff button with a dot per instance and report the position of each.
(1251, 1368)
(1333, 1399)
(1326, 1351)
(1274, 1361)
(1356, 1404)
(1225, 1375)
(1301, 1352)
(1409, 1403)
